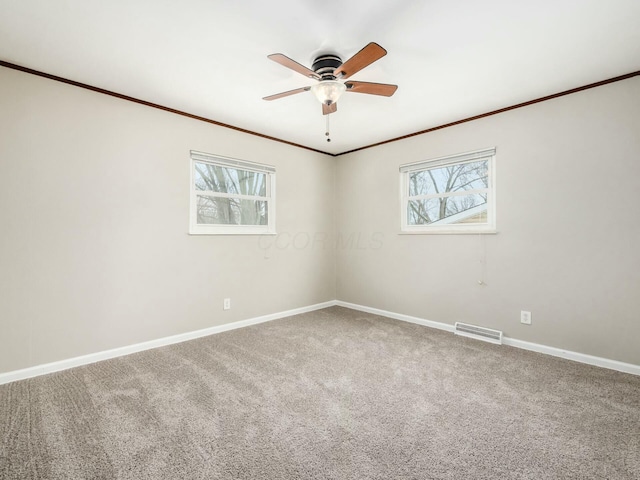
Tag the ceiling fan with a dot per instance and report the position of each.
(329, 69)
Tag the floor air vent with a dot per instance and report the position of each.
(481, 333)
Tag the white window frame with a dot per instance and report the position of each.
(221, 229)
(488, 154)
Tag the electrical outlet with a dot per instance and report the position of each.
(525, 317)
(227, 304)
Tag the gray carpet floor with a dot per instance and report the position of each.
(332, 394)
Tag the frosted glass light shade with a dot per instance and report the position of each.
(328, 91)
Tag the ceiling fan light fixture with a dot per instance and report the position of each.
(328, 91)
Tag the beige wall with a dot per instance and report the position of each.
(94, 250)
(568, 247)
(94, 210)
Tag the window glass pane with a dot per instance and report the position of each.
(450, 178)
(448, 210)
(231, 211)
(229, 180)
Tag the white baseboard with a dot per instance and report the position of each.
(513, 342)
(138, 347)
(396, 316)
(575, 356)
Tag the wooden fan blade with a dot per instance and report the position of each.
(293, 65)
(383, 89)
(286, 94)
(363, 58)
(327, 109)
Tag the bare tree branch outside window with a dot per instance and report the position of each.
(235, 184)
(447, 191)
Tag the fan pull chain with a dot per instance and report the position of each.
(327, 132)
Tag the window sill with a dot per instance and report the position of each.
(450, 232)
(228, 231)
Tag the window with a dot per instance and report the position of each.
(454, 194)
(231, 196)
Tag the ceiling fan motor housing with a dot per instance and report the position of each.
(325, 65)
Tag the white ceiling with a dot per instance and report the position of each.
(451, 58)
